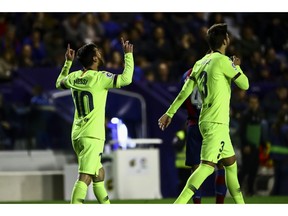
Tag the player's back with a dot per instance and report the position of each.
(89, 92)
(214, 87)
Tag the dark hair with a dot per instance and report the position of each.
(85, 54)
(216, 35)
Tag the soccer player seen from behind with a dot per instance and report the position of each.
(89, 88)
(194, 141)
(212, 75)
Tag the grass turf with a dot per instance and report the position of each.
(205, 200)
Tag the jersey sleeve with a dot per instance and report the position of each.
(126, 77)
(68, 81)
(61, 80)
(181, 97)
(108, 80)
(236, 74)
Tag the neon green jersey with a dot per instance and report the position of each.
(89, 92)
(212, 74)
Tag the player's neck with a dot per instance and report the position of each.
(220, 50)
(92, 67)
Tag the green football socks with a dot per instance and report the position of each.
(79, 192)
(233, 183)
(100, 192)
(194, 182)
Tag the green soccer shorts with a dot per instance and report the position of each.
(89, 152)
(216, 142)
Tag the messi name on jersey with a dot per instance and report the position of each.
(80, 81)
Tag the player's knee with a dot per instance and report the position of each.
(194, 167)
(100, 176)
(86, 178)
(228, 161)
(220, 165)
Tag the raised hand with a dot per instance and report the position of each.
(127, 47)
(236, 60)
(70, 53)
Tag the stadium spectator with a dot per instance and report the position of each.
(115, 63)
(185, 52)
(215, 18)
(38, 49)
(141, 65)
(10, 41)
(201, 45)
(159, 47)
(276, 33)
(196, 24)
(91, 30)
(251, 134)
(239, 102)
(141, 25)
(249, 42)
(26, 59)
(255, 65)
(274, 100)
(72, 33)
(273, 63)
(279, 151)
(111, 27)
(54, 48)
(163, 73)
(160, 19)
(8, 65)
(149, 76)
(24, 24)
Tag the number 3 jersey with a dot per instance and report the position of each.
(212, 75)
(89, 91)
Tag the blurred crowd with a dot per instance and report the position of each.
(165, 46)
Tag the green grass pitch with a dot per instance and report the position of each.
(205, 200)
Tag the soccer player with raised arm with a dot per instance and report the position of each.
(89, 88)
(212, 75)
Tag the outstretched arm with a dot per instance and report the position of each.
(126, 77)
(186, 90)
(69, 56)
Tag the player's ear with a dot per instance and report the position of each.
(95, 59)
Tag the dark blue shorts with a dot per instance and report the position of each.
(193, 145)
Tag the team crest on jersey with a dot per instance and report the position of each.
(109, 75)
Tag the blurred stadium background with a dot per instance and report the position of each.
(37, 163)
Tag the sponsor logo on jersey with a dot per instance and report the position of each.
(80, 81)
(109, 75)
